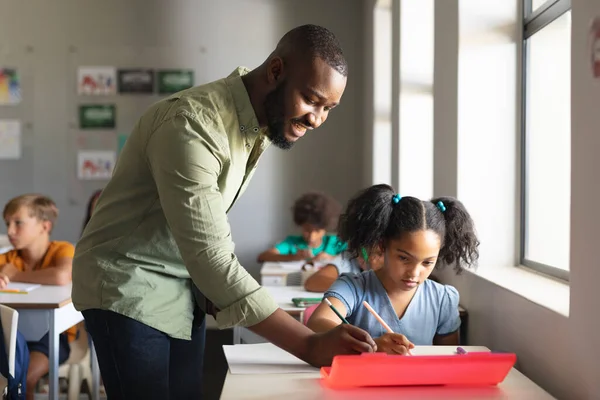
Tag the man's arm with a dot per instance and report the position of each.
(186, 162)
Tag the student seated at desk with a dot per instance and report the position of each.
(324, 277)
(313, 213)
(415, 236)
(35, 259)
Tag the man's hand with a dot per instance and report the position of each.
(394, 343)
(9, 270)
(343, 339)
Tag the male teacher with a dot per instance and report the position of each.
(160, 228)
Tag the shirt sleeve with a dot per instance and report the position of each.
(346, 289)
(335, 246)
(449, 316)
(185, 161)
(285, 247)
(64, 250)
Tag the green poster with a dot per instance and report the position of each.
(121, 139)
(174, 80)
(97, 116)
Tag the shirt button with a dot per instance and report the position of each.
(242, 127)
(255, 129)
(248, 145)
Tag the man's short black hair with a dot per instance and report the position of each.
(316, 42)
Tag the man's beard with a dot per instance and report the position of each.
(275, 110)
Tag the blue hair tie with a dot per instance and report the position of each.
(441, 206)
(396, 198)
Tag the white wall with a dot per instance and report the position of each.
(584, 321)
(48, 40)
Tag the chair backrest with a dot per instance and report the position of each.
(308, 312)
(10, 322)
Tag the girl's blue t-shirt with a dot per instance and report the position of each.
(432, 311)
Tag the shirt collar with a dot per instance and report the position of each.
(248, 123)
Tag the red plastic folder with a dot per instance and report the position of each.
(380, 369)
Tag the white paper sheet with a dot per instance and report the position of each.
(263, 358)
(10, 139)
(442, 350)
(23, 287)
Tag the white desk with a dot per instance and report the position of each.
(281, 273)
(308, 386)
(283, 295)
(48, 309)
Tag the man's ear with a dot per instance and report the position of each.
(275, 69)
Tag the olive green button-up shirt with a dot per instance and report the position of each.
(160, 225)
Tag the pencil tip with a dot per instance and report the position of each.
(328, 302)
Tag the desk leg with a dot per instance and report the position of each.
(236, 335)
(95, 374)
(53, 357)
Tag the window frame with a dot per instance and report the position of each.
(534, 22)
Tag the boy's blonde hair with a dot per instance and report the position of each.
(40, 207)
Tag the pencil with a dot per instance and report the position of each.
(378, 318)
(381, 321)
(336, 312)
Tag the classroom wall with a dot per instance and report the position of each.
(557, 352)
(47, 41)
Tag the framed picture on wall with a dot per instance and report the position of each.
(97, 116)
(174, 80)
(136, 81)
(10, 86)
(97, 164)
(96, 81)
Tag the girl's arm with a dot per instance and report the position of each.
(274, 255)
(324, 319)
(321, 280)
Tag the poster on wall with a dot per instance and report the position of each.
(96, 80)
(136, 81)
(121, 139)
(97, 116)
(10, 139)
(10, 86)
(174, 80)
(95, 164)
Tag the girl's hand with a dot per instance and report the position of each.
(394, 343)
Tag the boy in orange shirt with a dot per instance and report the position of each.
(36, 259)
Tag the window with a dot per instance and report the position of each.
(382, 129)
(546, 144)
